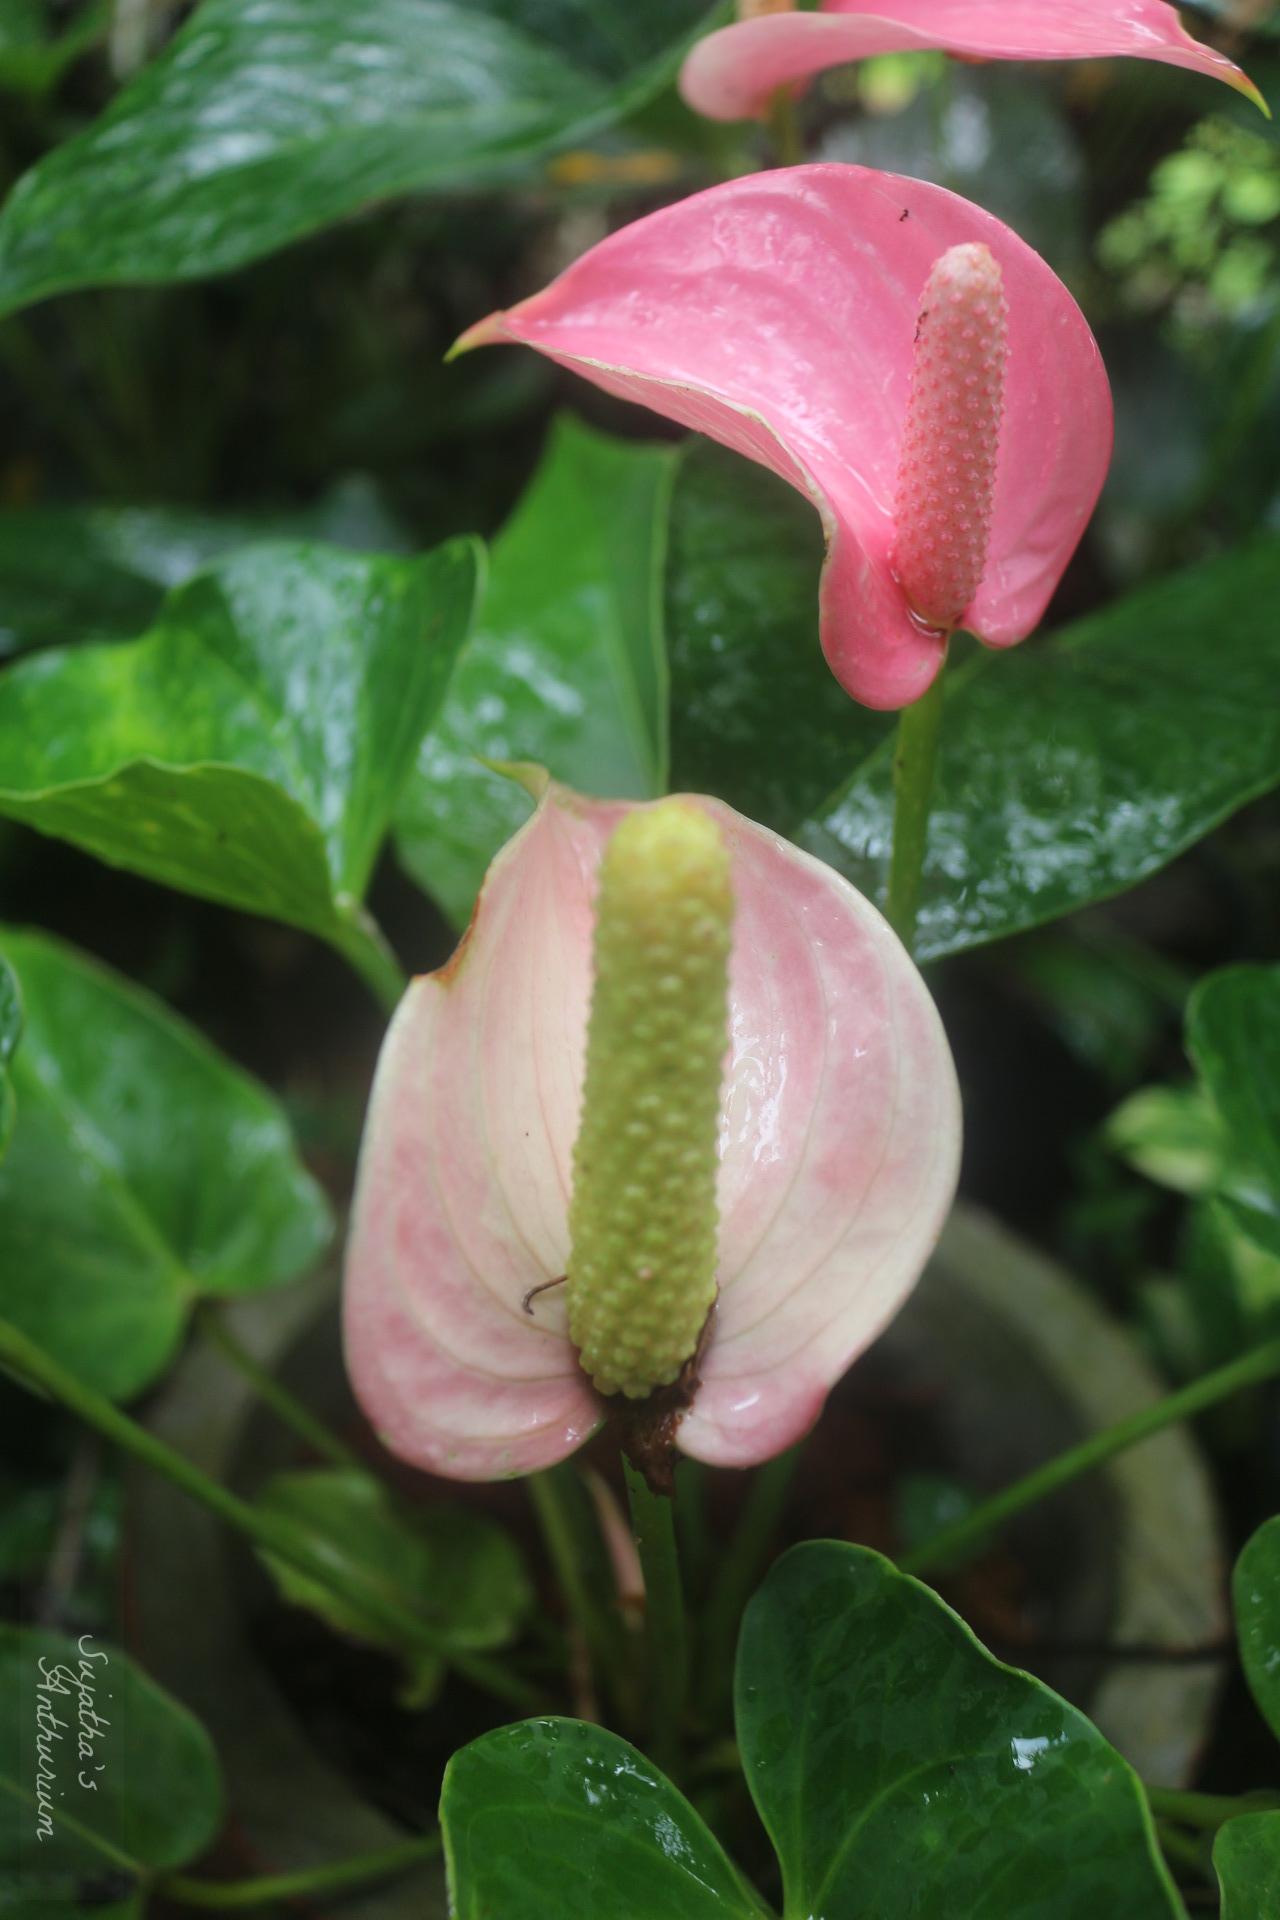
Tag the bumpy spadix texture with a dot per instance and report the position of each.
(838, 1144)
(951, 438)
(733, 73)
(778, 314)
(643, 1221)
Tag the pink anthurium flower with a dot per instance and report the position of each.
(733, 73)
(785, 314)
(838, 1148)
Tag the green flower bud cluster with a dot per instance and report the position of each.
(643, 1220)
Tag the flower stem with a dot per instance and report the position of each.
(1263, 1363)
(737, 1574)
(784, 129)
(1208, 1811)
(359, 1870)
(561, 1505)
(269, 1390)
(39, 1370)
(914, 758)
(666, 1638)
(360, 940)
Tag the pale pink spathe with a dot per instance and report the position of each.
(778, 315)
(733, 73)
(839, 1150)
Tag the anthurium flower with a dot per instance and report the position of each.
(838, 1144)
(733, 73)
(788, 315)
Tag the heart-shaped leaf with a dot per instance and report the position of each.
(105, 1778)
(457, 1570)
(557, 1820)
(900, 1769)
(70, 574)
(10, 1034)
(265, 119)
(567, 665)
(1073, 768)
(144, 1171)
(252, 746)
(1246, 1857)
(1255, 1590)
(1233, 1037)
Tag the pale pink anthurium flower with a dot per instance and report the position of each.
(787, 315)
(839, 1144)
(733, 73)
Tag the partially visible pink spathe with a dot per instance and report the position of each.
(839, 1151)
(733, 73)
(778, 314)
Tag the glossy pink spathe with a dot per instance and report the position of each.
(839, 1149)
(778, 315)
(733, 73)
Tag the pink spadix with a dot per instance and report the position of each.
(778, 313)
(949, 465)
(733, 74)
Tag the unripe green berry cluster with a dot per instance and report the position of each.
(643, 1220)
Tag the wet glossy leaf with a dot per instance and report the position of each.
(144, 1171)
(757, 717)
(265, 119)
(1246, 1856)
(155, 1798)
(1233, 1036)
(252, 745)
(1072, 768)
(1256, 1591)
(899, 1768)
(457, 1570)
(557, 1820)
(10, 1034)
(566, 666)
(71, 574)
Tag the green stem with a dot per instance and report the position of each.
(738, 1573)
(363, 945)
(359, 1870)
(784, 129)
(666, 1639)
(914, 758)
(1208, 1810)
(35, 1368)
(269, 1390)
(1263, 1363)
(1181, 1850)
(560, 1504)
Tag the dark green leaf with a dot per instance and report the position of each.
(143, 1171)
(757, 717)
(1072, 768)
(457, 1570)
(566, 666)
(251, 747)
(1246, 1855)
(1256, 1592)
(557, 1820)
(266, 119)
(142, 1787)
(10, 1034)
(101, 573)
(900, 1769)
(1233, 1037)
